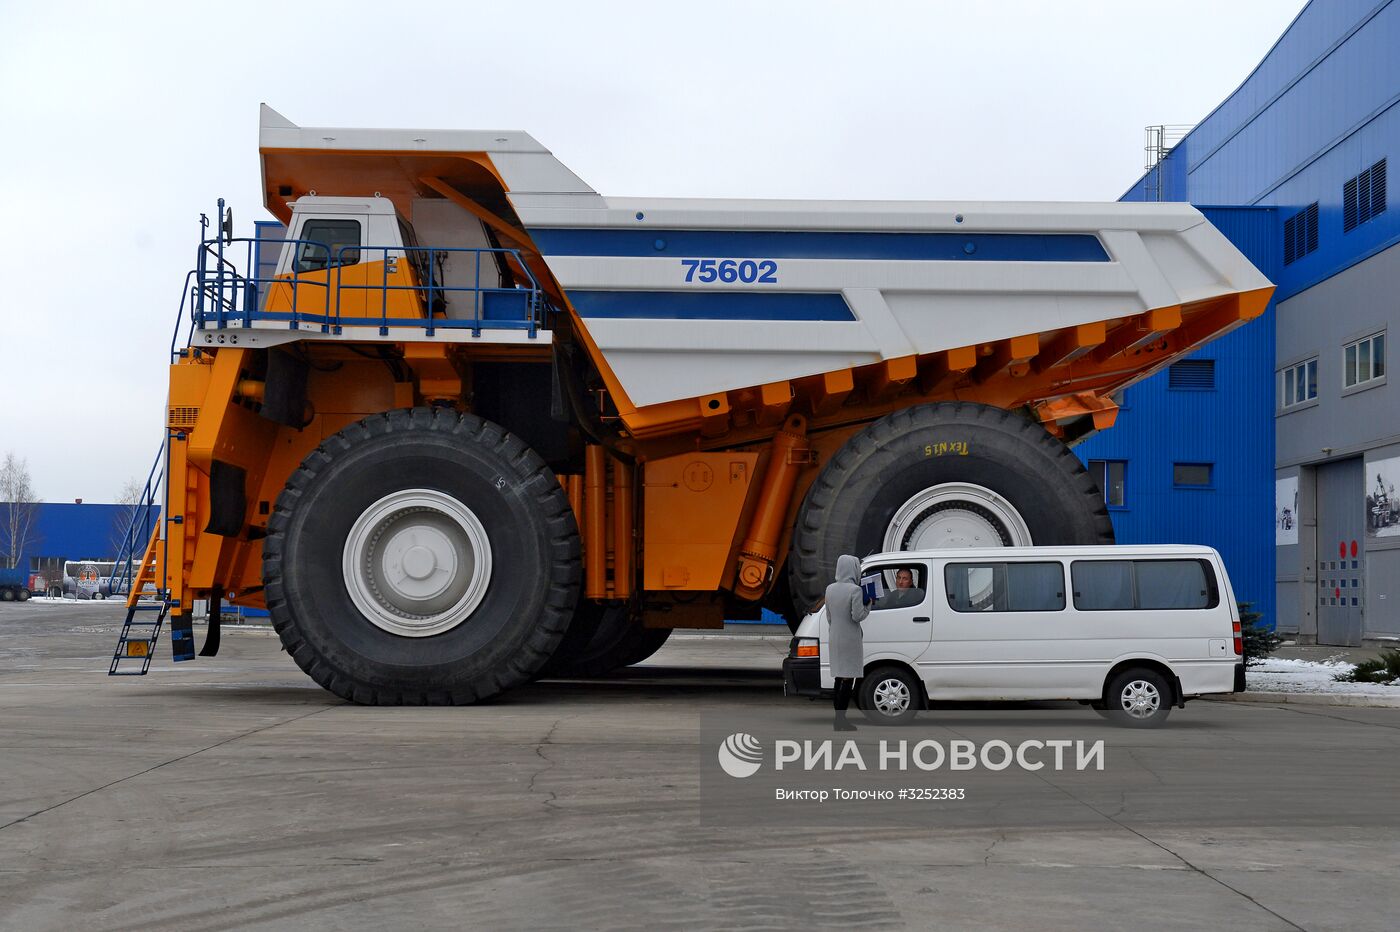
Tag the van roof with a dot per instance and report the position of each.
(1023, 553)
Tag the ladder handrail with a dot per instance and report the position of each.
(140, 527)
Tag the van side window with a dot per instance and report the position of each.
(341, 236)
(1005, 587)
(1144, 585)
(1102, 585)
(1175, 584)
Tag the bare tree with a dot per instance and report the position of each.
(17, 509)
(130, 499)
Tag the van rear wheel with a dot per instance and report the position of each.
(1138, 698)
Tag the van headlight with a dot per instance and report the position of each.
(805, 647)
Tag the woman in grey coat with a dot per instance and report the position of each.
(846, 608)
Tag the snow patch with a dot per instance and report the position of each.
(1284, 675)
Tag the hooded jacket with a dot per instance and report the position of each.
(845, 610)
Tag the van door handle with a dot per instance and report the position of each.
(920, 619)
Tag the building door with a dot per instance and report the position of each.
(1341, 530)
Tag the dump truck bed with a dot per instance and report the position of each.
(855, 283)
(683, 303)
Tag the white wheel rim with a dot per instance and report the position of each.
(891, 697)
(417, 562)
(1140, 699)
(956, 515)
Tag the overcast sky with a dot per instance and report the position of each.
(121, 122)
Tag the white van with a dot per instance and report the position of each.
(1130, 631)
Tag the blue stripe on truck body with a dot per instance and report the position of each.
(807, 244)
(711, 305)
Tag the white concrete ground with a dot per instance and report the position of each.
(235, 794)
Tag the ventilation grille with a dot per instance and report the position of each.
(1363, 197)
(1300, 234)
(1192, 375)
(182, 418)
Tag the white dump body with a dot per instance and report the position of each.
(1153, 255)
(689, 297)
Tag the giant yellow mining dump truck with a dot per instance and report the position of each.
(472, 422)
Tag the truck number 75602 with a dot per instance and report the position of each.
(762, 271)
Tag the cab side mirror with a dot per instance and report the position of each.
(226, 226)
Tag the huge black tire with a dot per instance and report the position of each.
(779, 600)
(871, 490)
(601, 639)
(642, 643)
(329, 570)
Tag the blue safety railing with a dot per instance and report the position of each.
(491, 307)
(226, 290)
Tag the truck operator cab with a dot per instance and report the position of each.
(360, 257)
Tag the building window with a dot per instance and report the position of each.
(1300, 234)
(1363, 197)
(1192, 375)
(1109, 475)
(1363, 361)
(1299, 383)
(1192, 475)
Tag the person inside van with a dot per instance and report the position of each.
(904, 594)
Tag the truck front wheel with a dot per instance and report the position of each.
(947, 475)
(421, 557)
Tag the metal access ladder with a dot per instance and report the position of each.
(148, 602)
(145, 615)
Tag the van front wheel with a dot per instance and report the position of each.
(890, 696)
(1138, 698)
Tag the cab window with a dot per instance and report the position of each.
(901, 585)
(1005, 587)
(332, 242)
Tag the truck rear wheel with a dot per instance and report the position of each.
(603, 638)
(421, 557)
(953, 474)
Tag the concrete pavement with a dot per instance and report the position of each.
(234, 793)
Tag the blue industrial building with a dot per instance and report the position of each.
(64, 531)
(1280, 443)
